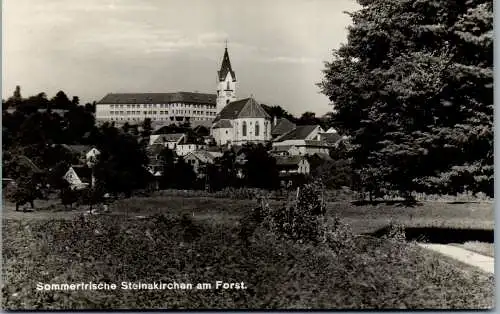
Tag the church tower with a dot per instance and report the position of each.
(226, 88)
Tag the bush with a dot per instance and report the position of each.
(300, 219)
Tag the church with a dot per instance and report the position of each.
(237, 121)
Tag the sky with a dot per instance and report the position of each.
(94, 47)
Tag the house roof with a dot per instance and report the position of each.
(243, 108)
(301, 132)
(202, 155)
(172, 137)
(25, 161)
(288, 161)
(201, 123)
(158, 98)
(282, 126)
(330, 138)
(226, 67)
(222, 124)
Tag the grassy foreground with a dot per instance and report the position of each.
(369, 274)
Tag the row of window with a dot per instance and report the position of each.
(257, 128)
(158, 119)
(181, 105)
(195, 112)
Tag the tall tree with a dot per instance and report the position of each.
(413, 88)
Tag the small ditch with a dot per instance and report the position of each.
(442, 235)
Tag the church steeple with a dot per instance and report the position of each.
(226, 88)
(226, 67)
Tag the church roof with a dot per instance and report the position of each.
(282, 126)
(226, 68)
(222, 124)
(244, 108)
(158, 98)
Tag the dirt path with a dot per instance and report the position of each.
(485, 263)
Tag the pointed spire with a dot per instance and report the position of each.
(226, 67)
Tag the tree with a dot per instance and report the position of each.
(260, 168)
(61, 101)
(167, 165)
(122, 164)
(413, 88)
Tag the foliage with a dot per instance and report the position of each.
(413, 89)
(279, 274)
(300, 218)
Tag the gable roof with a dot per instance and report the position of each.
(158, 98)
(301, 132)
(282, 126)
(84, 173)
(222, 124)
(243, 108)
(226, 67)
(288, 160)
(25, 161)
(330, 138)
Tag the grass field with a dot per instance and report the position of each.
(51, 246)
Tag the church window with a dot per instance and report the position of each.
(257, 128)
(244, 128)
(227, 85)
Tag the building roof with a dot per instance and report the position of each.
(288, 160)
(226, 67)
(301, 132)
(243, 108)
(201, 123)
(25, 161)
(330, 138)
(158, 98)
(172, 137)
(222, 124)
(283, 125)
(203, 156)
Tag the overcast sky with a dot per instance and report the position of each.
(93, 47)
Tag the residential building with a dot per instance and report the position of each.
(199, 159)
(304, 140)
(187, 146)
(164, 108)
(167, 140)
(240, 122)
(79, 177)
(281, 126)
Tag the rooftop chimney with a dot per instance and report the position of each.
(275, 121)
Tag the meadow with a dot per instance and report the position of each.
(168, 238)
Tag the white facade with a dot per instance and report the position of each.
(251, 130)
(171, 112)
(222, 136)
(226, 91)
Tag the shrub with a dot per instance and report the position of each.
(300, 219)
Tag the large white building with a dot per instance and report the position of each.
(159, 107)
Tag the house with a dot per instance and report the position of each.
(167, 140)
(189, 145)
(84, 153)
(242, 121)
(281, 126)
(199, 159)
(293, 165)
(303, 140)
(79, 177)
